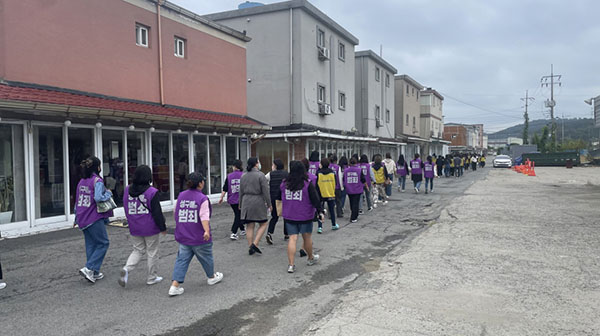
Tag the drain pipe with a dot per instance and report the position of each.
(159, 3)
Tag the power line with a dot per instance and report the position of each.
(479, 107)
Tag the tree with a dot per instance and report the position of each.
(543, 145)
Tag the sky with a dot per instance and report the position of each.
(481, 55)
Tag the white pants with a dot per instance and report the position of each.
(141, 246)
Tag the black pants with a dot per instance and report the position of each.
(1, 272)
(354, 201)
(338, 203)
(237, 222)
(274, 218)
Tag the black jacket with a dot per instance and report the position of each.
(136, 190)
(275, 179)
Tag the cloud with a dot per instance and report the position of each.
(485, 53)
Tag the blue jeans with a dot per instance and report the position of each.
(418, 184)
(343, 201)
(366, 193)
(402, 182)
(429, 182)
(96, 244)
(331, 206)
(185, 254)
(388, 187)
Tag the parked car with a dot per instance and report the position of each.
(502, 161)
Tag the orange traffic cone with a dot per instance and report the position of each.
(532, 170)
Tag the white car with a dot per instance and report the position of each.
(502, 161)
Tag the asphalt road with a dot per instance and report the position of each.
(46, 295)
(513, 255)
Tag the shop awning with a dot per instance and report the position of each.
(25, 97)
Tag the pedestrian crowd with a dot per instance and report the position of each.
(313, 190)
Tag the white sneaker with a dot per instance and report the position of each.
(123, 278)
(154, 281)
(233, 236)
(98, 276)
(174, 291)
(385, 202)
(242, 233)
(313, 261)
(431, 190)
(2, 285)
(215, 279)
(403, 190)
(291, 268)
(88, 274)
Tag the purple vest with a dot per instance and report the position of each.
(351, 180)
(415, 166)
(86, 210)
(366, 170)
(313, 166)
(296, 205)
(335, 169)
(233, 189)
(188, 228)
(313, 179)
(428, 170)
(138, 213)
(401, 171)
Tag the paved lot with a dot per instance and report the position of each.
(46, 296)
(513, 255)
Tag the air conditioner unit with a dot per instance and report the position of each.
(378, 122)
(432, 134)
(323, 53)
(324, 109)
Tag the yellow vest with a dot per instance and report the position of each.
(326, 184)
(379, 175)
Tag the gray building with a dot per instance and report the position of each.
(300, 68)
(408, 114)
(432, 121)
(374, 105)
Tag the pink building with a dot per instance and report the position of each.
(129, 81)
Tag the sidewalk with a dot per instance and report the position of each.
(516, 255)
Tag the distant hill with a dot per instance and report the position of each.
(576, 128)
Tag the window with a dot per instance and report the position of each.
(387, 116)
(141, 35)
(417, 95)
(377, 113)
(179, 47)
(377, 74)
(342, 51)
(413, 91)
(342, 102)
(407, 120)
(387, 80)
(414, 122)
(320, 38)
(321, 93)
(407, 90)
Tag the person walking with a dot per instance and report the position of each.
(300, 202)
(482, 161)
(416, 172)
(401, 172)
(354, 183)
(231, 187)
(326, 185)
(366, 170)
(255, 200)
(439, 166)
(275, 177)
(429, 174)
(474, 163)
(343, 163)
(313, 162)
(381, 178)
(193, 233)
(456, 162)
(2, 283)
(146, 221)
(90, 191)
(390, 166)
(337, 170)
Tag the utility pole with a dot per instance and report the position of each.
(551, 103)
(527, 99)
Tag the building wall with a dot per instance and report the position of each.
(431, 116)
(371, 93)
(73, 44)
(335, 74)
(268, 64)
(407, 104)
(456, 134)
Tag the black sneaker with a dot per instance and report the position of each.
(250, 251)
(286, 237)
(269, 239)
(302, 253)
(360, 212)
(256, 249)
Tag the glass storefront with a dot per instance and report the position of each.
(160, 165)
(113, 164)
(201, 158)
(280, 151)
(180, 161)
(81, 146)
(214, 144)
(231, 152)
(136, 152)
(13, 206)
(48, 170)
